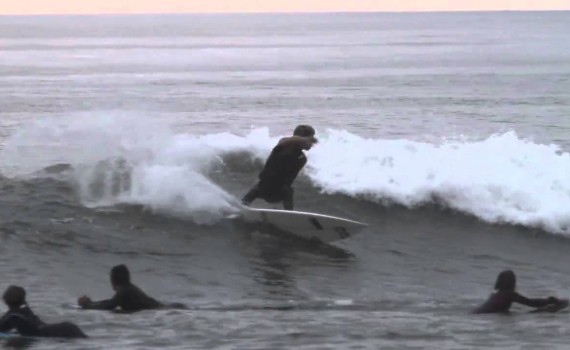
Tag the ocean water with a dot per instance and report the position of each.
(127, 139)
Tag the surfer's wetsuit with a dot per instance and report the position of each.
(129, 298)
(501, 301)
(26, 323)
(505, 296)
(281, 169)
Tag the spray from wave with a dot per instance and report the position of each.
(500, 179)
(123, 160)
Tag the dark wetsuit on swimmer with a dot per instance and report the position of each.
(505, 296)
(129, 298)
(26, 323)
(21, 318)
(281, 169)
(501, 301)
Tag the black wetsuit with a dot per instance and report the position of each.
(129, 298)
(26, 323)
(275, 180)
(501, 301)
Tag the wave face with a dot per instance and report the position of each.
(126, 160)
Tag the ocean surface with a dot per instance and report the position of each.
(129, 139)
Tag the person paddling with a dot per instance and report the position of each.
(22, 319)
(505, 295)
(128, 297)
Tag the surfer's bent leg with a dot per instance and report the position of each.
(288, 198)
(254, 193)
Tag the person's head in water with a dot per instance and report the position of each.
(506, 281)
(120, 276)
(305, 131)
(14, 297)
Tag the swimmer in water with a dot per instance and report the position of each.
(22, 319)
(505, 295)
(128, 297)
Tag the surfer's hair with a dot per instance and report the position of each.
(120, 275)
(506, 281)
(304, 131)
(14, 296)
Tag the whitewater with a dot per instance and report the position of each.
(503, 179)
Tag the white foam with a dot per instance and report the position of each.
(502, 179)
(123, 159)
(126, 159)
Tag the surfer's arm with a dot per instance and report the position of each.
(6, 323)
(107, 304)
(535, 302)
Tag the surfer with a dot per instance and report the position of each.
(21, 318)
(128, 297)
(503, 297)
(282, 167)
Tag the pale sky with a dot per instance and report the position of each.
(182, 6)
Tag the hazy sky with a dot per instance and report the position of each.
(177, 6)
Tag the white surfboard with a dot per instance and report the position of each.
(305, 225)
